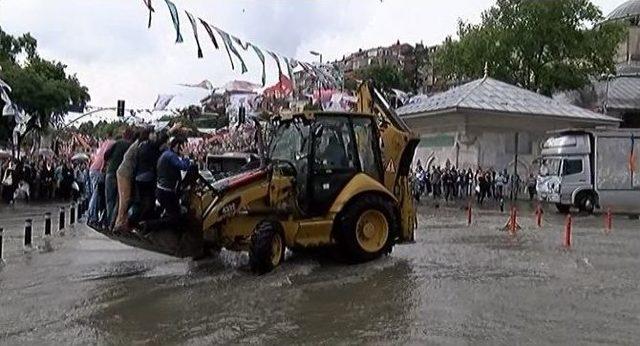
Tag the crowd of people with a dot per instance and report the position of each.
(452, 183)
(41, 179)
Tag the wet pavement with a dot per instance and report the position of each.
(456, 285)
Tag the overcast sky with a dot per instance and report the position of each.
(107, 43)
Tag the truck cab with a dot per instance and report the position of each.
(565, 176)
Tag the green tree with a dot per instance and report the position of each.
(544, 46)
(415, 71)
(385, 77)
(41, 87)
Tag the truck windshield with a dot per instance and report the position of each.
(550, 166)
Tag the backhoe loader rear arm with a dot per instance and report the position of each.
(397, 145)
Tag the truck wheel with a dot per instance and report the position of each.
(587, 203)
(366, 228)
(563, 208)
(267, 247)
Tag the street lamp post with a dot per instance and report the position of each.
(317, 54)
(318, 78)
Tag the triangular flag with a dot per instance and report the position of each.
(176, 19)
(194, 25)
(275, 57)
(244, 46)
(226, 39)
(207, 27)
(291, 76)
(261, 57)
(151, 10)
(226, 46)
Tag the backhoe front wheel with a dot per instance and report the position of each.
(267, 247)
(367, 228)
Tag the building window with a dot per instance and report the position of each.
(441, 141)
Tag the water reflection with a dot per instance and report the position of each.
(303, 300)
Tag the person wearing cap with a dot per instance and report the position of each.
(168, 169)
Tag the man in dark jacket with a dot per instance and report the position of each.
(145, 174)
(168, 170)
(113, 158)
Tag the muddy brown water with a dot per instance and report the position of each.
(456, 285)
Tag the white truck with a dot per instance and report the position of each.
(591, 169)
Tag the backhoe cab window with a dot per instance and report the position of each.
(290, 143)
(366, 143)
(334, 148)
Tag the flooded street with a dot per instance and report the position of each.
(456, 285)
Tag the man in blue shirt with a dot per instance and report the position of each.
(169, 167)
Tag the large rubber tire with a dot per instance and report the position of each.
(563, 208)
(267, 247)
(346, 228)
(587, 203)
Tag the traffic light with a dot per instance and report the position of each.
(120, 108)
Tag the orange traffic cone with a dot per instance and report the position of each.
(567, 231)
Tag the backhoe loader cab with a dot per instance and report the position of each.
(324, 153)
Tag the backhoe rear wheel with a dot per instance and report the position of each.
(267, 247)
(366, 228)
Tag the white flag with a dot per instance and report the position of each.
(9, 109)
(162, 102)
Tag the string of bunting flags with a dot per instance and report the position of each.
(233, 47)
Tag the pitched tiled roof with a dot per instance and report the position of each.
(491, 95)
(624, 93)
(621, 93)
(628, 9)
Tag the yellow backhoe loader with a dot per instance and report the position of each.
(325, 179)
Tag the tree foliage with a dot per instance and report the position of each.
(39, 86)
(384, 76)
(420, 66)
(102, 129)
(544, 45)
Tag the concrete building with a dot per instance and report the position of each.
(491, 124)
(399, 55)
(617, 95)
(629, 13)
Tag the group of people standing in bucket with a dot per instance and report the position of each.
(129, 172)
